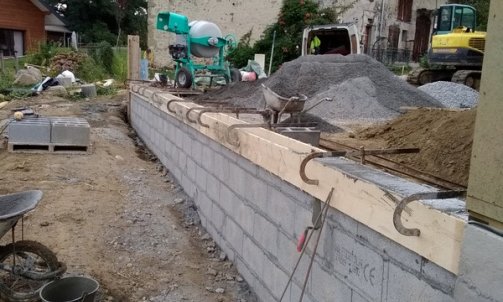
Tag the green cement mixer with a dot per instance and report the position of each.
(200, 39)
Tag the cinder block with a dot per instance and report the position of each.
(274, 278)
(266, 234)
(281, 209)
(212, 187)
(191, 169)
(438, 277)
(416, 289)
(356, 263)
(256, 193)
(253, 256)
(36, 131)
(207, 158)
(234, 235)
(217, 217)
(389, 249)
(201, 176)
(481, 267)
(326, 287)
(237, 179)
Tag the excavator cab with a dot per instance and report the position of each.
(454, 17)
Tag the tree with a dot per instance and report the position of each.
(482, 7)
(293, 17)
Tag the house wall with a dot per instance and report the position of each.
(24, 16)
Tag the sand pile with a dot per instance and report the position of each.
(363, 89)
(444, 137)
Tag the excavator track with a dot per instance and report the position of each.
(422, 76)
(470, 78)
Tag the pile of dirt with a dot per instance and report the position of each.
(445, 138)
(363, 89)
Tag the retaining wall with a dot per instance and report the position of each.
(256, 218)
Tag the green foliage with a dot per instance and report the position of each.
(89, 71)
(294, 16)
(103, 55)
(482, 7)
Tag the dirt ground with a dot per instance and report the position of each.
(116, 214)
(445, 138)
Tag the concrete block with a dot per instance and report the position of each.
(36, 131)
(389, 249)
(234, 235)
(356, 297)
(237, 179)
(253, 256)
(281, 209)
(326, 287)
(438, 277)
(191, 169)
(266, 234)
(213, 187)
(196, 151)
(406, 287)
(355, 263)
(274, 278)
(481, 268)
(220, 167)
(70, 131)
(342, 221)
(217, 217)
(207, 158)
(201, 176)
(257, 193)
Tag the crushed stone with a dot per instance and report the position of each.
(452, 95)
(363, 89)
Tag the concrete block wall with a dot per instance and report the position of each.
(256, 218)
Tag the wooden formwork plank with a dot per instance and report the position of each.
(441, 233)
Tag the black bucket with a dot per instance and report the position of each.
(70, 289)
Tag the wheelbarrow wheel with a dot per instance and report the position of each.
(183, 78)
(19, 260)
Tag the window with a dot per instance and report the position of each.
(405, 10)
(393, 36)
(11, 42)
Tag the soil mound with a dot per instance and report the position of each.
(444, 137)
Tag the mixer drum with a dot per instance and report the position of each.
(200, 29)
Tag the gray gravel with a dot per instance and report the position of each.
(452, 95)
(363, 89)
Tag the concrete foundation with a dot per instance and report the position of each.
(256, 218)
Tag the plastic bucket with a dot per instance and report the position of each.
(70, 289)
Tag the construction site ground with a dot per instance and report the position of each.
(116, 214)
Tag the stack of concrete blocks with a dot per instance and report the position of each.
(256, 218)
(54, 134)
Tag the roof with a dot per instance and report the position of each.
(52, 18)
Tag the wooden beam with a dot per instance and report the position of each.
(133, 54)
(441, 233)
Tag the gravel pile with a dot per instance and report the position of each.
(452, 95)
(363, 89)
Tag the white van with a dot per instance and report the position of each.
(335, 39)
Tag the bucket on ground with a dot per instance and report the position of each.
(70, 289)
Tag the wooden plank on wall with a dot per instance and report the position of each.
(441, 234)
(133, 54)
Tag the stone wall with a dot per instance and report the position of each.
(256, 218)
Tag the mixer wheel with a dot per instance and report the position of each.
(183, 78)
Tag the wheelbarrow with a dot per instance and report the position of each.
(294, 105)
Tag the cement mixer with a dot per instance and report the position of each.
(200, 39)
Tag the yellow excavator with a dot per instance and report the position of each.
(457, 50)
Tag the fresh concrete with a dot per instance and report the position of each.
(256, 218)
